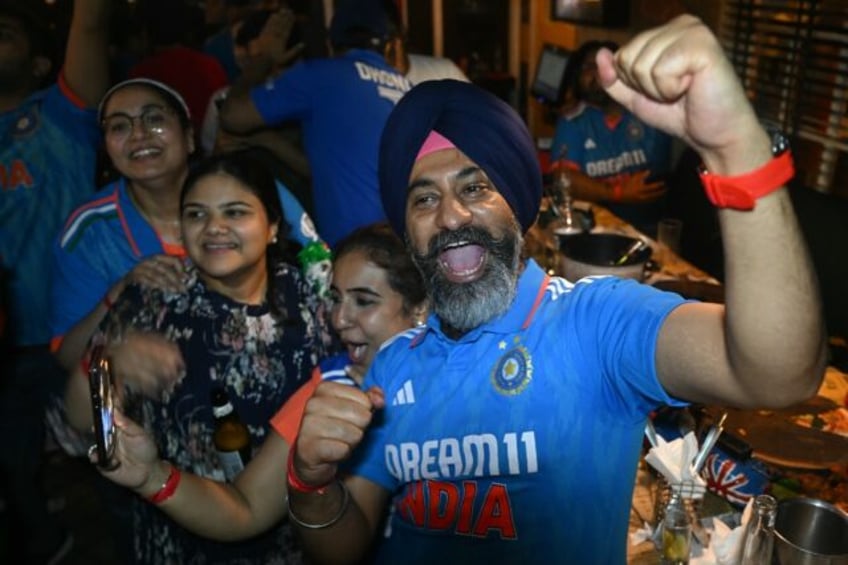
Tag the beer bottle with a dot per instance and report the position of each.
(231, 437)
(759, 535)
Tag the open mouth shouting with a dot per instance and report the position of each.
(462, 261)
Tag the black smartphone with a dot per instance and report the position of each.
(103, 406)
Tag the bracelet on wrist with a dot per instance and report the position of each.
(740, 192)
(294, 481)
(168, 488)
(309, 526)
(107, 302)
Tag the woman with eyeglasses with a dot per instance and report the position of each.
(130, 230)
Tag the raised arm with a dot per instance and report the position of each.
(86, 67)
(238, 113)
(766, 346)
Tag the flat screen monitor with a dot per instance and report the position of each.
(549, 82)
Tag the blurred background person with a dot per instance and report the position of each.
(610, 155)
(282, 142)
(48, 161)
(341, 104)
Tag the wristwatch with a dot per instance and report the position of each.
(741, 192)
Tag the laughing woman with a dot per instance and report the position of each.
(377, 294)
(246, 322)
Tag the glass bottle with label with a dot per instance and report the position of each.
(759, 535)
(231, 437)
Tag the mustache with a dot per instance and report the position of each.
(468, 234)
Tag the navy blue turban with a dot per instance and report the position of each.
(479, 124)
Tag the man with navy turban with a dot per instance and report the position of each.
(508, 429)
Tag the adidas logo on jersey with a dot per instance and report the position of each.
(405, 395)
(590, 144)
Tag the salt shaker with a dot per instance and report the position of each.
(759, 535)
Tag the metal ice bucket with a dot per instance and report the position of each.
(810, 532)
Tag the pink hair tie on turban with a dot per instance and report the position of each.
(434, 142)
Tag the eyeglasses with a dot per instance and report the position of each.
(154, 119)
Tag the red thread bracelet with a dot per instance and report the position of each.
(295, 482)
(107, 302)
(168, 487)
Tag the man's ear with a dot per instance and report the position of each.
(41, 67)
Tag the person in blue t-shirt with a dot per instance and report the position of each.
(609, 154)
(509, 429)
(48, 149)
(341, 104)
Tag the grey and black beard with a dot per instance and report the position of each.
(464, 306)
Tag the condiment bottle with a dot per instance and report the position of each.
(676, 533)
(231, 437)
(759, 535)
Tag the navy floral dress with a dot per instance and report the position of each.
(258, 356)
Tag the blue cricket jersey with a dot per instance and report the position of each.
(611, 152)
(518, 442)
(342, 104)
(47, 165)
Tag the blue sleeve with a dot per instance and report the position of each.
(76, 289)
(617, 324)
(302, 228)
(566, 142)
(368, 460)
(80, 124)
(287, 97)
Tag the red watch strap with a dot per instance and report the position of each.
(741, 192)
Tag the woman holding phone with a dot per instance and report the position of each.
(377, 293)
(247, 321)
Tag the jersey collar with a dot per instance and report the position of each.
(531, 289)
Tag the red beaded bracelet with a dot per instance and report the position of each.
(295, 482)
(168, 487)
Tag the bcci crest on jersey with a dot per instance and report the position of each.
(513, 371)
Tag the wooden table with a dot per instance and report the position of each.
(541, 244)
